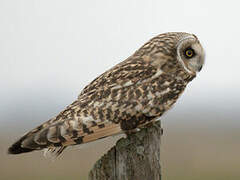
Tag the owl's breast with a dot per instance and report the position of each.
(162, 93)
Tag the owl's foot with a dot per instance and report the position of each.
(150, 124)
(132, 131)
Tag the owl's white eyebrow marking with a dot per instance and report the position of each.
(183, 39)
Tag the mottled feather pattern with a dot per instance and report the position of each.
(129, 95)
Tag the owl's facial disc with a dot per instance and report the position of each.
(191, 54)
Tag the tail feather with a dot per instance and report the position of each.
(17, 148)
(53, 152)
(57, 136)
(26, 143)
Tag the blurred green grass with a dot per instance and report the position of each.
(189, 153)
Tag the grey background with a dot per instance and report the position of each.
(51, 49)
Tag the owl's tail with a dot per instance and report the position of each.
(57, 136)
(26, 143)
(17, 148)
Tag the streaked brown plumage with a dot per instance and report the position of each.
(129, 95)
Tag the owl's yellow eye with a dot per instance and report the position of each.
(189, 52)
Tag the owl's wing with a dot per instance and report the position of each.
(116, 96)
(133, 69)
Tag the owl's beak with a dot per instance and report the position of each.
(200, 68)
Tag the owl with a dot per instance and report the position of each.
(128, 96)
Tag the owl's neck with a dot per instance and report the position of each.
(176, 69)
(185, 75)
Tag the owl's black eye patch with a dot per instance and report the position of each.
(189, 53)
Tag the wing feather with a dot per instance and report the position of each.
(105, 107)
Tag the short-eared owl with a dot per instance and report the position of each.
(128, 96)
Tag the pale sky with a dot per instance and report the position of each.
(51, 49)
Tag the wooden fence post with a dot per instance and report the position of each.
(136, 157)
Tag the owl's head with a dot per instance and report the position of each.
(190, 53)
